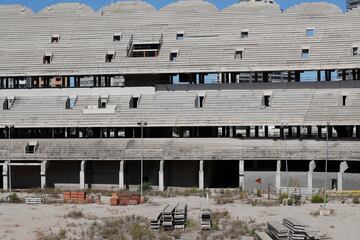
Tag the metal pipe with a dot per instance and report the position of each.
(326, 161)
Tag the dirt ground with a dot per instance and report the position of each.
(21, 221)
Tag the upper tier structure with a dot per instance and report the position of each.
(189, 36)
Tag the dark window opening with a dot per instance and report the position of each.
(109, 57)
(305, 53)
(179, 36)
(173, 56)
(344, 98)
(47, 59)
(31, 147)
(116, 37)
(200, 101)
(55, 39)
(134, 101)
(355, 51)
(238, 54)
(267, 101)
(244, 34)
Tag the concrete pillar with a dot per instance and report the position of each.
(343, 167)
(241, 175)
(43, 167)
(5, 175)
(278, 175)
(312, 167)
(82, 175)
(161, 176)
(201, 175)
(121, 175)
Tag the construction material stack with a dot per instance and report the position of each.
(156, 223)
(180, 216)
(168, 217)
(277, 231)
(34, 200)
(206, 221)
(262, 236)
(114, 200)
(296, 229)
(77, 197)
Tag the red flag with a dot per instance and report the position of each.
(258, 180)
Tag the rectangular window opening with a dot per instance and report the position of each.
(109, 57)
(267, 100)
(70, 103)
(244, 34)
(47, 58)
(180, 36)
(31, 147)
(305, 53)
(134, 102)
(55, 38)
(355, 51)
(117, 37)
(344, 98)
(238, 54)
(173, 56)
(200, 101)
(310, 32)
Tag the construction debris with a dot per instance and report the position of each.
(80, 198)
(180, 216)
(34, 200)
(206, 220)
(296, 229)
(277, 231)
(168, 217)
(125, 199)
(262, 236)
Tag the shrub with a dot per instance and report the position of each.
(282, 197)
(290, 202)
(147, 187)
(75, 214)
(356, 200)
(13, 198)
(317, 198)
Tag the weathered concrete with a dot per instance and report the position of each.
(241, 175)
(161, 176)
(121, 175)
(343, 167)
(201, 175)
(312, 167)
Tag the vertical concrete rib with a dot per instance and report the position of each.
(121, 176)
(82, 175)
(201, 175)
(161, 176)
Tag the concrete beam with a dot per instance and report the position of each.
(43, 168)
(312, 167)
(201, 175)
(122, 175)
(343, 167)
(82, 175)
(241, 175)
(5, 175)
(278, 175)
(161, 176)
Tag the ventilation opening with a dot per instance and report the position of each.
(266, 100)
(238, 54)
(244, 34)
(305, 53)
(344, 99)
(109, 57)
(47, 58)
(173, 56)
(55, 38)
(117, 37)
(180, 35)
(355, 51)
(200, 101)
(310, 32)
(31, 147)
(134, 102)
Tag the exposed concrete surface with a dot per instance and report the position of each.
(20, 221)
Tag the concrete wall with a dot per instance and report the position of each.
(267, 177)
(351, 181)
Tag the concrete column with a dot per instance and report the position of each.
(161, 176)
(121, 175)
(278, 175)
(343, 167)
(201, 175)
(312, 167)
(82, 175)
(43, 167)
(5, 175)
(241, 175)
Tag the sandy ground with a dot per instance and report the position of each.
(20, 221)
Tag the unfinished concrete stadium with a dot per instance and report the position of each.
(206, 98)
